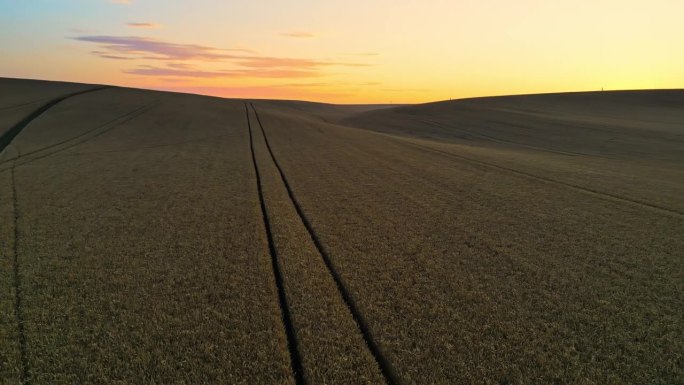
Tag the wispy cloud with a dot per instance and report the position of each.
(147, 48)
(175, 72)
(404, 89)
(188, 72)
(337, 85)
(298, 34)
(302, 85)
(265, 62)
(278, 73)
(144, 25)
(237, 62)
(106, 55)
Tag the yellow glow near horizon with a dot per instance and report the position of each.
(349, 51)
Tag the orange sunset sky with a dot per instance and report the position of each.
(351, 51)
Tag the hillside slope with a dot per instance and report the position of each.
(639, 124)
(151, 237)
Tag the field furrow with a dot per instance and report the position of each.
(605, 195)
(9, 134)
(11, 352)
(17, 288)
(293, 346)
(333, 344)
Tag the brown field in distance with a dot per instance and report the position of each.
(152, 237)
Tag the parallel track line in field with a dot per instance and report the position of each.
(601, 194)
(5, 139)
(110, 125)
(388, 372)
(494, 139)
(18, 309)
(10, 134)
(295, 357)
(82, 134)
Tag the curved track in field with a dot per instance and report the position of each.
(10, 134)
(81, 138)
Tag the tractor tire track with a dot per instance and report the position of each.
(388, 372)
(15, 106)
(18, 308)
(10, 134)
(295, 357)
(112, 121)
(110, 125)
(586, 190)
(509, 142)
(5, 140)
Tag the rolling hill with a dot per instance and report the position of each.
(152, 237)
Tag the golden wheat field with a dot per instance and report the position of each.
(163, 238)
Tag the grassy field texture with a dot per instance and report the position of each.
(150, 237)
(331, 346)
(470, 272)
(141, 250)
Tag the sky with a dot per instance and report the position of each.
(348, 51)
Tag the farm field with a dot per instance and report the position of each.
(152, 237)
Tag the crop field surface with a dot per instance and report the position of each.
(160, 238)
